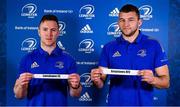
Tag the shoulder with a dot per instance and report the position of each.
(151, 40)
(30, 55)
(67, 55)
(111, 44)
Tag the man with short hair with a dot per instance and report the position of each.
(132, 51)
(48, 59)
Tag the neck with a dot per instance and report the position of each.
(131, 38)
(48, 49)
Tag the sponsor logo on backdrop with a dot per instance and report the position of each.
(145, 12)
(60, 45)
(86, 29)
(58, 11)
(28, 44)
(86, 80)
(86, 46)
(150, 29)
(25, 28)
(155, 98)
(87, 11)
(29, 10)
(85, 97)
(62, 27)
(114, 13)
(114, 30)
(86, 63)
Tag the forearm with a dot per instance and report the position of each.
(19, 91)
(161, 82)
(75, 92)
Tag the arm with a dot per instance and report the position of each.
(159, 81)
(21, 85)
(98, 77)
(162, 79)
(75, 85)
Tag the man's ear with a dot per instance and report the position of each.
(38, 32)
(140, 22)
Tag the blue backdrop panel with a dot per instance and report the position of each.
(85, 27)
(173, 98)
(2, 53)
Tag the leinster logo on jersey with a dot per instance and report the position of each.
(59, 64)
(142, 53)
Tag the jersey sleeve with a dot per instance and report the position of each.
(160, 56)
(22, 66)
(73, 66)
(103, 60)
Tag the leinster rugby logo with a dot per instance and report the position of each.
(29, 10)
(28, 44)
(114, 30)
(62, 26)
(59, 65)
(145, 12)
(87, 11)
(142, 53)
(86, 80)
(86, 46)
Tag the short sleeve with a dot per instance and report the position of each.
(160, 56)
(103, 60)
(23, 66)
(73, 67)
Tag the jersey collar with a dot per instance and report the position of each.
(57, 51)
(137, 40)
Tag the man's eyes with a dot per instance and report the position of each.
(46, 29)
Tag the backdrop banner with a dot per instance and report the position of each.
(86, 26)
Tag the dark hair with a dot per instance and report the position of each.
(49, 17)
(130, 8)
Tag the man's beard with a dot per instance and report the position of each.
(131, 34)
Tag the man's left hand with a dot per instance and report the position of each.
(74, 81)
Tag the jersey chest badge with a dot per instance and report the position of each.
(142, 53)
(59, 64)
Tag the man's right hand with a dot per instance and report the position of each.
(96, 74)
(97, 77)
(24, 79)
(21, 85)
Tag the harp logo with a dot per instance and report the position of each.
(29, 10)
(87, 11)
(28, 44)
(114, 30)
(145, 12)
(86, 46)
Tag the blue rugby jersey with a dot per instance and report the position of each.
(51, 92)
(143, 53)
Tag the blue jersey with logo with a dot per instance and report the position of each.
(143, 53)
(51, 92)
